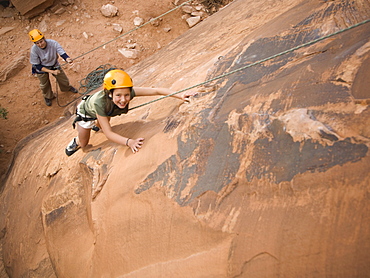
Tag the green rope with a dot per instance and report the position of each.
(256, 63)
(91, 82)
(94, 79)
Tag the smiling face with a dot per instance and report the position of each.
(121, 97)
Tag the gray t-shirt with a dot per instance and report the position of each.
(48, 56)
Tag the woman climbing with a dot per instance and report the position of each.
(113, 100)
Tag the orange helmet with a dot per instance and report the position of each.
(35, 35)
(116, 79)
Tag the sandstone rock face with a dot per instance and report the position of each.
(30, 8)
(264, 174)
(9, 70)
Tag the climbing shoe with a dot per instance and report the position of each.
(95, 128)
(72, 147)
(73, 90)
(47, 101)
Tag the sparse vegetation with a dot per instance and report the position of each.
(213, 6)
(3, 113)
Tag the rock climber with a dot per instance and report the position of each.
(113, 100)
(44, 59)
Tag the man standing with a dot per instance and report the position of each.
(44, 60)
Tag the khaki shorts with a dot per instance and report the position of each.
(83, 124)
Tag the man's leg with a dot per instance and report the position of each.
(63, 81)
(45, 85)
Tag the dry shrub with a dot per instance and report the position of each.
(213, 6)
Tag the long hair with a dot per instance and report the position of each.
(109, 104)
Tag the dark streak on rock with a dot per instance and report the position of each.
(283, 158)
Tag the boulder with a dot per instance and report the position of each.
(4, 30)
(9, 69)
(109, 10)
(138, 21)
(187, 9)
(117, 27)
(32, 8)
(193, 20)
(129, 53)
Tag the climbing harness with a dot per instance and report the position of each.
(80, 117)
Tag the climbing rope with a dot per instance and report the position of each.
(132, 30)
(95, 76)
(101, 72)
(255, 63)
(91, 82)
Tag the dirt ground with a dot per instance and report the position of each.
(81, 28)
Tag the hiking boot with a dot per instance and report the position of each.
(95, 128)
(73, 90)
(72, 147)
(47, 101)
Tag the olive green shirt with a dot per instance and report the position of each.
(95, 105)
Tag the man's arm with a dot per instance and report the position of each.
(66, 58)
(40, 67)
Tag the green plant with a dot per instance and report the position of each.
(3, 113)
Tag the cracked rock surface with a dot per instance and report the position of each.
(264, 174)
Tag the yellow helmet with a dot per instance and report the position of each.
(35, 35)
(116, 79)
